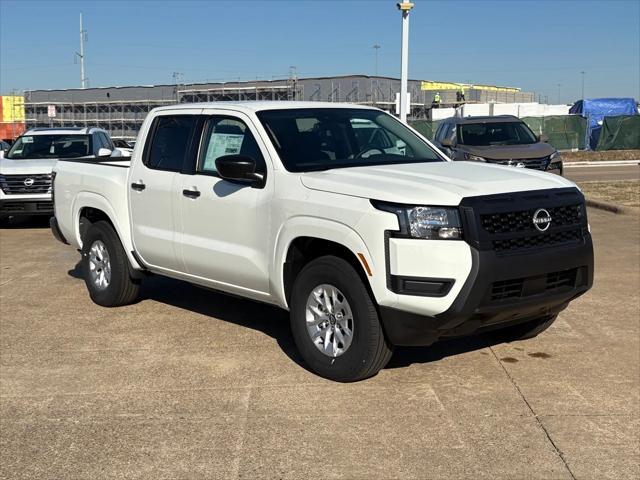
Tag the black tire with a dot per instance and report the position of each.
(522, 331)
(369, 351)
(122, 289)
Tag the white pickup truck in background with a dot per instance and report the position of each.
(341, 214)
(25, 169)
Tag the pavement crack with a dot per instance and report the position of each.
(239, 447)
(535, 415)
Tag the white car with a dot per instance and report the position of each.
(341, 214)
(25, 169)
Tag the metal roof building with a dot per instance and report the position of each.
(121, 110)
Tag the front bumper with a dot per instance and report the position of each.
(9, 207)
(499, 291)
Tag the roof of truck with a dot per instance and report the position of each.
(257, 106)
(63, 131)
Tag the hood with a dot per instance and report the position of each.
(437, 183)
(26, 166)
(510, 152)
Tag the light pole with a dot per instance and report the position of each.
(376, 47)
(405, 7)
(582, 73)
(559, 85)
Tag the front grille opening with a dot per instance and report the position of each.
(565, 278)
(541, 240)
(521, 221)
(553, 282)
(35, 184)
(506, 289)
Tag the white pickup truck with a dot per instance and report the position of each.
(341, 214)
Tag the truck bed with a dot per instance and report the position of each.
(94, 184)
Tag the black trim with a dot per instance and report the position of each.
(421, 286)
(99, 161)
(191, 193)
(55, 230)
(16, 207)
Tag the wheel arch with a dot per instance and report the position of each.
(305, 239)
(90, 208)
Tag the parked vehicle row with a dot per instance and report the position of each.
(341, 214)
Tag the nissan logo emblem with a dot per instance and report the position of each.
(28, 182)
(542, 219)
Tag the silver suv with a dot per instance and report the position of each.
(504, 139)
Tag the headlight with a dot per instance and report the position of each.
(432, 223)
(474, 158)
(554, 156)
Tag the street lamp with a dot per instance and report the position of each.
(405, 7)
(376, 48)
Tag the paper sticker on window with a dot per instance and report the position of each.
(221, 144)
(27, 139)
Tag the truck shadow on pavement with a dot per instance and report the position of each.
(274, 321)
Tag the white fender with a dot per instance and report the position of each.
(314, 227)
(120, 222)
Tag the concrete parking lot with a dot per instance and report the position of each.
(193, 384)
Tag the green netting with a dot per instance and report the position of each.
(565, 132)
(425, 127)
(620, 133)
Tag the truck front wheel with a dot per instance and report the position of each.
(335, 323)
(106, 268)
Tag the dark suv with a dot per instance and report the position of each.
(503, 139)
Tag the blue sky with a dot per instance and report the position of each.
(535, 45)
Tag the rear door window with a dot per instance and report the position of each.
(170, 143)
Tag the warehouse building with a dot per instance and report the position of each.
(121, 110)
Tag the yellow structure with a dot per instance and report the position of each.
(428, 85)
(12, 109)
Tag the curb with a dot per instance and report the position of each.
(600, 163)
(608, 207)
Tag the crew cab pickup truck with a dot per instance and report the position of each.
(341, 214)
(25, 169)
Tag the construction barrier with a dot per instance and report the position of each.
(620, 133)
(565, 132)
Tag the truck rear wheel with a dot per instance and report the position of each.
(106, 268)
(335, 322)
(522, 331)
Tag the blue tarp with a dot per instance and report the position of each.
(596, 109)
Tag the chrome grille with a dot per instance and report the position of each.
(534, 163)
(25, 184)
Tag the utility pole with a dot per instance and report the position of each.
(405, 7)
(582, 73)
(376, 48)
(83, 36)
(559, 85)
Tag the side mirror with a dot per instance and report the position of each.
(446, 142)
(104, 152)
(239, 168)
(543, 137)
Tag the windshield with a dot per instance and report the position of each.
(498, 133)
(322, 138)
(50, 146)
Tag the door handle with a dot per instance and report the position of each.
(191, 193)
(138, 186)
